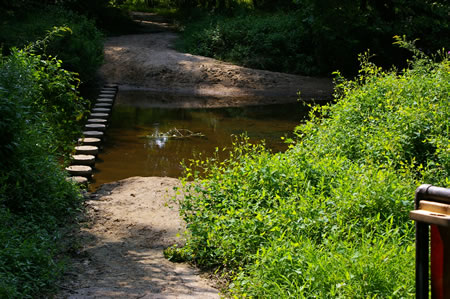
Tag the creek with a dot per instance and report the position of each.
(128, 152)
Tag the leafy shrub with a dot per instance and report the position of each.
(276, 42)
(329, 217)
(317, 37)
(40, 107)
(108, 18)
(80, 49)
(340, 29)
(27, 264)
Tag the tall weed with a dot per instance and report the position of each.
(329, 217)
(40, 109)
(80, 49)
(277, 42)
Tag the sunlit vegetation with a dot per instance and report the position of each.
(39, 108)
(40, 117)
(41, 111)
(329, 217)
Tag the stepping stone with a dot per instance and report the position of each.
(108, 92)
(90, 141)
(83, 160)
(107, 96)
(97, 121)
(103, 105)
(105, 100)
(79, 170)
(108, 89)
(94, 134)
(101, 110)
(95, 127)
(100, 115)
(86, 150)
(111, 85)
(78, 180)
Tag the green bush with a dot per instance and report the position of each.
(311, 37)
(329, 217)
(108, 18)
(28, 267)
(40, 110)
(80, 49)
(276, 42)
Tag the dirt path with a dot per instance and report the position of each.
(129, 224)
(148, 61)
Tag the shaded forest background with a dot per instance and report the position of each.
(308, 37)
(314, 37)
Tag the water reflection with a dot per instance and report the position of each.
(156, 140)
(160, 142)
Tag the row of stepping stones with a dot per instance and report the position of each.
(83, 161)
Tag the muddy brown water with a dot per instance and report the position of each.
(127, 152)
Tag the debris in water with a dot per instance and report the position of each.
(174, 134)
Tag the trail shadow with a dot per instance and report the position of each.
(123, 259)
(151, 22)
(151, 62)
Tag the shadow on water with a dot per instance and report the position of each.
(127, 152)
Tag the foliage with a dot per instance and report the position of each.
(314, 37)
(329, 217)
(274, 42)
(27, 264)
(107, 17)
(40, 108)
(80, 49)
(342, 29)
(143, 5)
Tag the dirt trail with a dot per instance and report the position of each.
(148, 61)
(130, 222)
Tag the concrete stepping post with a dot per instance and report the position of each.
(111, 85)
(101, 110)
(86, 150)
(103, 105)
(107, 96)
(100, 115)
(108, 89)
(95, 127)
(83, 160)
(97, 121)
(108, 92)
(80, 180)
(105, 100)
(93, 134)
(90, 141)
(79, 170)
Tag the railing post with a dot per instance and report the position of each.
(432, 208)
